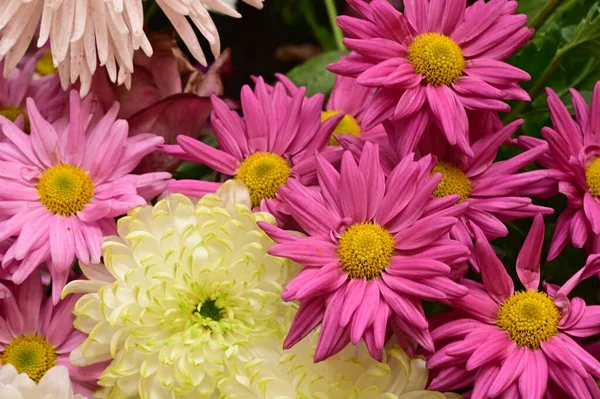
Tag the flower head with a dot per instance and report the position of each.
(351, 373)
(573, 165)
(66, 184)
(22, 83)
(85, 33)
(372, 252)
(37, 336)
(493, 190)
(262, 149)
(55, 384)
(518, 343)
(188, 289)
(434, 62)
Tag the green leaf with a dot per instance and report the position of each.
(587, 34)
(313, 74)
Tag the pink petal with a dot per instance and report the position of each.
(494, 275)
(528, 261)
(353, 190)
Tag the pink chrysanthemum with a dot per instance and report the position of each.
(375, 248)
(492, 189)
(515, 344)
(36, 335)
(21, 83)
(573, 164)
(62, 188)
(262, 149)
(435, 61)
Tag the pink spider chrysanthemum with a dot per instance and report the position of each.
(493, 190)
(375, 248)
(573, 165)
(261, 149)
(22, 83)
(62, 187)
(37, 335)
(435, 61)
(515, 344)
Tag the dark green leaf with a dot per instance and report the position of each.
(313, 74)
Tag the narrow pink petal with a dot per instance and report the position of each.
(307, 251)
(416, 13)
(494, 275)
(376, 75)
(365, 314)
(588, 361)
(403, 306)
(256, 122)
(445, 14)
(193, 188)
(495, 72)
(423, 232)
(330, 329)
(556, 351)
(498, 347)
(533, 381)
(561, 237)
(309, 316)
(528, 261)
(512, 368)
(72, 151)
(30, 295)
(355, 291)
(416, 268)
(44, 139)
(591, 208)
(353, 190)
(208, 155)
(448, 111)
(408, 287)
(372, 172)
(389, 20)
(278, 235)
(61, 244)
(411, 101)
(329, 181)
(563, 122)
(377, 49)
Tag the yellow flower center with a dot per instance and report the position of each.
(365, 250)
(437, 57)
(529, 317)
(454, 181)
(30, 354)
(45, 66)
(12, 113)
(348, 125)
(263, 173)
(65, 189)
(592, 177)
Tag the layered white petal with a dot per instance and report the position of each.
(55, 384)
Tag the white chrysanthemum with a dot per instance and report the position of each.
(188, 288)
(55, 384)
(351, 373)
(84, 33)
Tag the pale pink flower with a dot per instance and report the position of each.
(30, 324)
(435, 61)
(22, 83)
(86, 33)
(515, 344)
(573, 166)
(62, 187)
(375, 248)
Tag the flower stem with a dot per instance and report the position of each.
(542, 16)
(337, 32)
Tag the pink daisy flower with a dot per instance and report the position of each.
(511, 344)
(375, 248)
(36, 335)
(62, 188)
(435, 61)
(26, 81)
(573, 165)
(492, 189)
(261, 150)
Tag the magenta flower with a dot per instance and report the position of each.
(573, 164)
(492, 189)
(375, 248)
(262, 149)
(434, 62)
(36, 335)
(22, 83)
(515, 344)
(62, 187)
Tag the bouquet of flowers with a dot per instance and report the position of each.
(412, 212)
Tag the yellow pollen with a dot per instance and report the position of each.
(30, 354)
(348, 125)
(529, 317)
(263, 173)
(437, 57)
(454, 181)
(592, 177)
(65, 189)
(45, 66)
(12, 113)
(365, 250)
